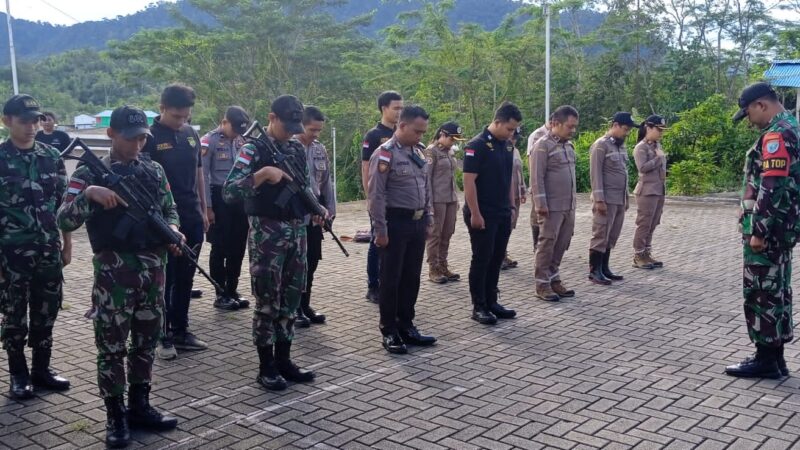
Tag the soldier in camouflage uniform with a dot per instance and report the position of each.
(128, 292)
(32, 182)
(277, 242)
(770, 226)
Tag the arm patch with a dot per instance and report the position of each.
(774, 156)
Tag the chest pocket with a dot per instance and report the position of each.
(562, 155)
(47, 176)
(223, 161)
(12, 180)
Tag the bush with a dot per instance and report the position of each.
(690, 177)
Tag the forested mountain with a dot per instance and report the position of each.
(35, 40)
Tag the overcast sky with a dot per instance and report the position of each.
(69, 12)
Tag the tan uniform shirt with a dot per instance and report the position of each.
(319, 170)
(535, 136)
(396, 181)
(441, 174)
(553, 174)
(652, 169)
(608, 171)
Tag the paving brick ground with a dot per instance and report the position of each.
(636, 365)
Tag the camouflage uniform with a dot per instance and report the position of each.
(32, 184)
(277, 248)
(128, 291)
(771, 211)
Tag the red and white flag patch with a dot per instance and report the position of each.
(385, 156)
(469, 152)
(75, 187)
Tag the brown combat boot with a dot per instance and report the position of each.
(444, 270)
(656, 263)
(546, 293)
(642, 261)
(562, 291)
(435, 275)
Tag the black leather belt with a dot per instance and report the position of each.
(407, 214)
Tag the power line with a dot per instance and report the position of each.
(59, 10)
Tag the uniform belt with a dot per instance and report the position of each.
(402, 213)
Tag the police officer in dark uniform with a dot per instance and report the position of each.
(319, 168)
(390, 103)
(176, 146)
(228, 228)
(488, 165)
(402, 215)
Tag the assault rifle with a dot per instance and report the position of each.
(143, 207)
(298, 186)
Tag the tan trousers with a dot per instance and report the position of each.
(648, 216)
(555, 234)
(606, 228)
(444, 225)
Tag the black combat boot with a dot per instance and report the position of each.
(763, 364)
(268, 375)
(482, 314)
(308, 311)
(20, 386)
(143, 416)
(782, 362)
(42, 376)
(287, 368)
(117, 433)
(596, 268)
(500, 311)
(607, 270)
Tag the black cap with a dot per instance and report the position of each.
(129, 122)
(623, 118)
(23, 106)
(656, 121)
(453, 130)
(238, 118)
(750, 94)
(290, 110)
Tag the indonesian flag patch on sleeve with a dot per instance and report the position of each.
(384, 159)
(469, 152)
(365, 144)
(75, 187)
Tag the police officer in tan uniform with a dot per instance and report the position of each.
(651, 161)
(554, 197)
(444, 196)
(319, 170)
(402, 216)
(532, 138)
(608, 171)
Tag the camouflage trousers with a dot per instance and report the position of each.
(126, 302)
(767, 289)
(33, 284)
(278, 277)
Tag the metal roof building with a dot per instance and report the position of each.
(786, 73)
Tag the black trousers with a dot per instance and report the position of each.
(228, 238)
(314, 255)
(400, 269)
(488, 251)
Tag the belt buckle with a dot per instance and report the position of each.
(418, 214)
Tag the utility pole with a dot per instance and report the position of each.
(546, 11)
(11, 48)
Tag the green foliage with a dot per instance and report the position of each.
(690, 177)
(606, 57)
